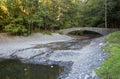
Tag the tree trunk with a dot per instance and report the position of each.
(105, 13)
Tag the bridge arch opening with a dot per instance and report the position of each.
(86, 33)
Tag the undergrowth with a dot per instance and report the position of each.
(111, 67)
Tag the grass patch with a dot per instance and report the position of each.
(43, 31)
(61, 32)
(111, 67)
(113, 37)
(46, 32)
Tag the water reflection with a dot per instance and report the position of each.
(14, 69)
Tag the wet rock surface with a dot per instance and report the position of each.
(78, 57)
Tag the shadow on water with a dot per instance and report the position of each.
(15, 69)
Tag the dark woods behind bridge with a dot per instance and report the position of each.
(114, 24)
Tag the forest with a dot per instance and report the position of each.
(22, 17)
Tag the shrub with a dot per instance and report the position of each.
(16, 29)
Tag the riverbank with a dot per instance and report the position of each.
(34, 38)
(37, 38)
(111, 67)
(9, 44)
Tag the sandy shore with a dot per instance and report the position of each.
(36, 38)
(9, 44)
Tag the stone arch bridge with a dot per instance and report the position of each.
(102, 31)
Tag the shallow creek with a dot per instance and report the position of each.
(75, 59)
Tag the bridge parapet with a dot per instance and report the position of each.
(103, 31)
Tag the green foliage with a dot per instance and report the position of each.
(46, 32)
(93, 13)
(57, 14)
(113, 37)
(61, 32)
(16, 29)
(111, 67)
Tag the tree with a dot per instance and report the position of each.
(49, 15)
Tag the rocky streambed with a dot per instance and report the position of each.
(78, 57)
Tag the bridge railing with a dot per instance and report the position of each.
(103, 31)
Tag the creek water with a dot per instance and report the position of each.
(59, 60)
(15, 69)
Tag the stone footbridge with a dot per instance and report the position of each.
(102, 31)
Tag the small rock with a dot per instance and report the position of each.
(93, 74)
(86, 77)
(51, 66)
(100, 44)
(100, 59)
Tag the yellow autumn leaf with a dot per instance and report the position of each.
(4, 9)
